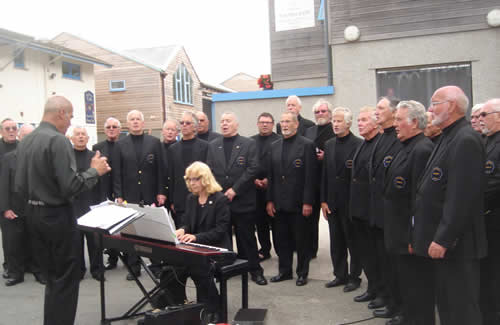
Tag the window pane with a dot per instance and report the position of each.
(19, 59)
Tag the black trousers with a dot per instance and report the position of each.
(490, 280)
(341, 243)
(17, 250)
(57, 239)
(262, 223)
(457, 291)
(244, 225)
(315, 228)
(4, 242)
(365, 243)
(293, 231)
(416, 280)
(92, 251)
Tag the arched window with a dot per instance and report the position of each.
(183, 86)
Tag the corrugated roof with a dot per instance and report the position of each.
(159, 57)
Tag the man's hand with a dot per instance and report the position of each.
(230, 194)
(119, 200)
(161, 199)
(325, 209)
(188, 238)
(436, 251)
(307, 210)
(179, 233)
(100, 163)
(9, 214)
(410, 249)
(320, 154)
(270, 209)
(172, 207)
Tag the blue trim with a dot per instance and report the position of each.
(75, 70)
(321, 12)
(278, 93)
(212, 114)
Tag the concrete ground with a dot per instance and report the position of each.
(286, 303)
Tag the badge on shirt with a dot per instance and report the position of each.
(437, 174)
(241, 161)
(399, 182)
(348, 163)
(387, 161)
(150, 158)
(297, 163)
(489, 167)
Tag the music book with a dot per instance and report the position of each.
(108, 217)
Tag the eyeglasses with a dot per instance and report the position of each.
(10, 128)
(321, 111)
(437, 103)
(185, 123)
(193, 179)
(484, 114)
(112, 127)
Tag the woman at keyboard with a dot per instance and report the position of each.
(205, 221)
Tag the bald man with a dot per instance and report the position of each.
(47, 181)
(203, 128)
(448, 223)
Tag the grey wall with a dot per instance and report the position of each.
(354, 64)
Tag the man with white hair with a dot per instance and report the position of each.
(432, 131)
(449, 223)
(399, 197)
(15, 235)
(138, 171)
(490, 265)
(294, 104)
(319, 134)
(474, 117)
(335, 187)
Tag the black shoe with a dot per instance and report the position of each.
(396, 320)
(352, 285)
(384, 313)
(259, 279)
(376, 303)
(110, 266)
(364, 297)
(98, 276)
(13, 281)
(281, 277)
(5, 274)
(335, 283)
(301, 281)
(40, 278)
(130, 276)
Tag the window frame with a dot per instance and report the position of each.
(19, 54)
(183, 86)
(71, 66)
(111, 89)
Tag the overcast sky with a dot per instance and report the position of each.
(221, 37)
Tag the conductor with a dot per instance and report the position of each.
(47, 181)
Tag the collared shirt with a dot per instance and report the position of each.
(47, 169)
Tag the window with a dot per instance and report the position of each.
(183, 86)
(71, 70)
(117, 85)
(19, 59)
(419, 83)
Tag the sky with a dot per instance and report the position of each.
(221, 37)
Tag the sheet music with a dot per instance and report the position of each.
(108, 217)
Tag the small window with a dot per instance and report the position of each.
(19, 59)
(117, 85)
(183, 86)
(71, 70)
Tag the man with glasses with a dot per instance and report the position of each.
(263, 140)
(448, 217)
(474, 117)
(319, 134)
(112, 128)
(138, 171)
(180, 155)
(294, 105)
(489, 120)
(203, 132)
(290, 197)
(8, 143)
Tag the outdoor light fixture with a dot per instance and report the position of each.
(493, 18)
(351, 33)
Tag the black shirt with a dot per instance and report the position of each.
(228, 147)
(187, 151)
(364, 157)
(6, 147)
(47, 168)
(85, 199)
(137, 140)
(287, 143)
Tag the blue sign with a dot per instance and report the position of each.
(89, 108)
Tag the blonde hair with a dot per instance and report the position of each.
(199, 169)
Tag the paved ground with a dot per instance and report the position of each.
(286, 303)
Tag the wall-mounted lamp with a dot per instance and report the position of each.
(351, 33)
(52, 75)
(493, 18)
